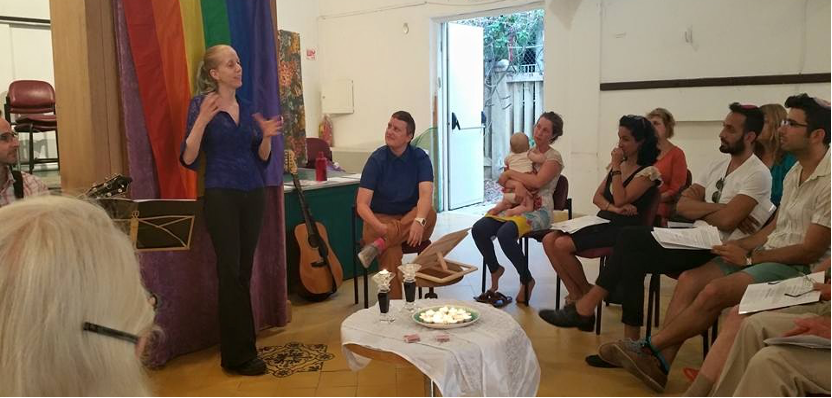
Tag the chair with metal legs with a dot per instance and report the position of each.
(32, 102)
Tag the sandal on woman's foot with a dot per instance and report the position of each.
(486, 297)
(499, 300)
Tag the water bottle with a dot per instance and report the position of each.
(320, 167)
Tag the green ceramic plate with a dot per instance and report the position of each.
(475, 316)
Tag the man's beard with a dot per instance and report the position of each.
(737, 147)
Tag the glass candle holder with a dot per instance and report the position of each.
(382, 279)
(409, 272)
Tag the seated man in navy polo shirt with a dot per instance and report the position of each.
(394, 198)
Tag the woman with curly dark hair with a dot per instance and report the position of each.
(624, 194)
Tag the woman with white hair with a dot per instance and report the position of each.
(74, 315)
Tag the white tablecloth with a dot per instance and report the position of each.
(492, 357)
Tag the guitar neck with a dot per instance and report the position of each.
(304, 208)
(115, 186)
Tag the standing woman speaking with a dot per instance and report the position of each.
(237, 147)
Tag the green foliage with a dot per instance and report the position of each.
(504, 31)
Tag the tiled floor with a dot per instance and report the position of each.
(560, 352)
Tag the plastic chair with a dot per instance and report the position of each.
(33, 104)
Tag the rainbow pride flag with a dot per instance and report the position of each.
(168, 39)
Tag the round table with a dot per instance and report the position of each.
(491, 357)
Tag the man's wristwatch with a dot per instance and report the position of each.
(420, 220)
(748, 261)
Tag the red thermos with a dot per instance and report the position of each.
(320, 167)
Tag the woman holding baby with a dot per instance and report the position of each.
(540, 184)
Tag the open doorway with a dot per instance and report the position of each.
(491, 71)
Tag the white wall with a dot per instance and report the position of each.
(27, 50)
(730, 38)
(25, 9)
(586, 42)
(572, 58)
(391, 70)
(301, 16)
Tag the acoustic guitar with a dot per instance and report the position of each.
(319, 268)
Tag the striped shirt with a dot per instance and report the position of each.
(803, 204)
(31, 186)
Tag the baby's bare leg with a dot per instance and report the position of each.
(526, 205)
(501, 205)
(520, 191)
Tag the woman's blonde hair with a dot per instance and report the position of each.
(519, 143)
(667, 118)
(204, 82)
(62, 263)
(774, 115)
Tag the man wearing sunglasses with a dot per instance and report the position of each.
(795, 241)
(728, 191)
(14, 184)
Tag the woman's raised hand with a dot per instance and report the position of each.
(209, 107)
(270, 127)
(616, 156)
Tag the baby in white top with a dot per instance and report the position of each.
(521, 159)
